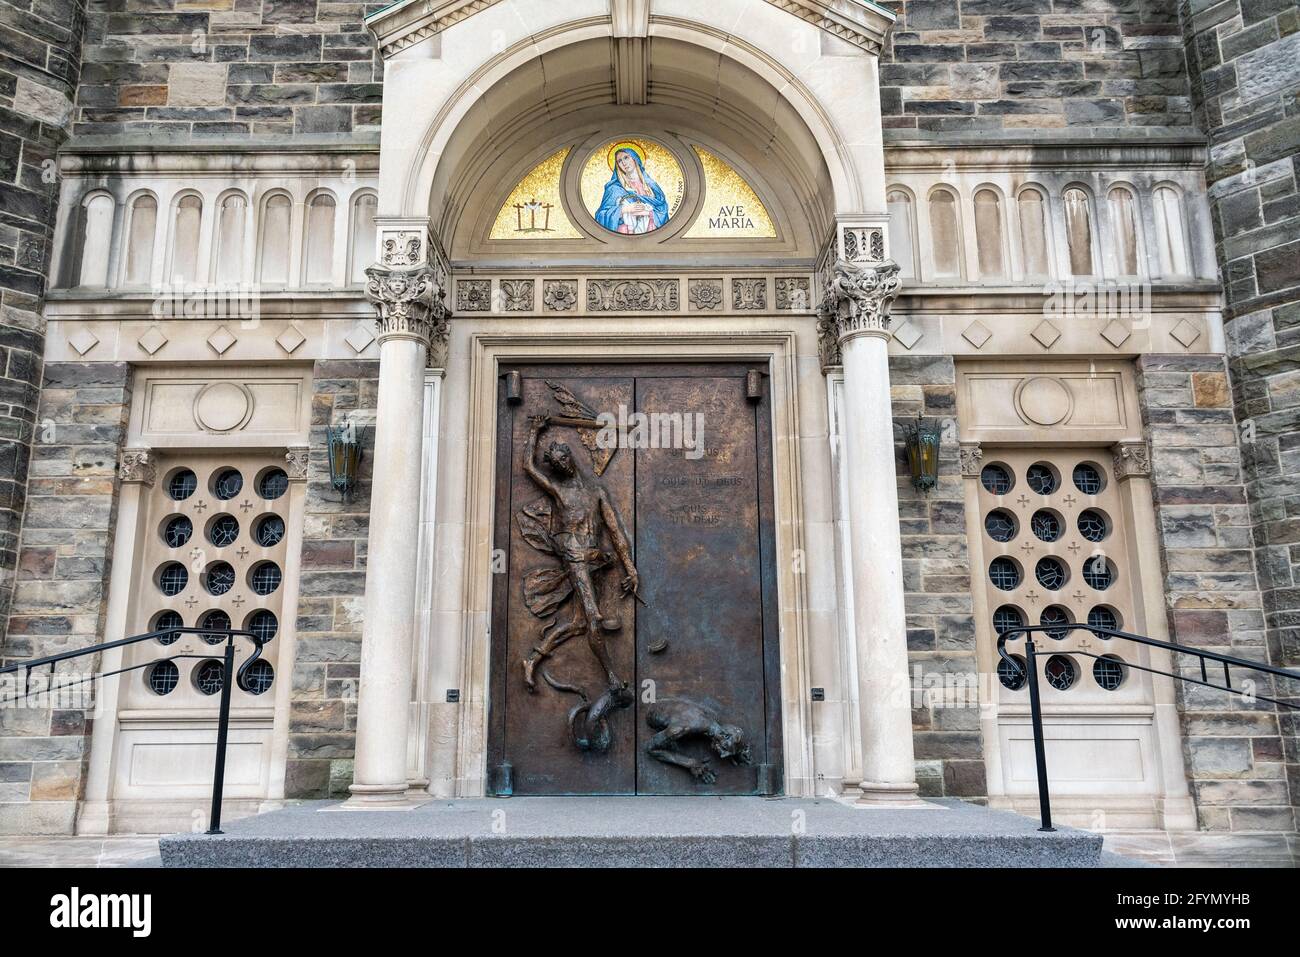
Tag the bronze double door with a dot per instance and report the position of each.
(679, 487)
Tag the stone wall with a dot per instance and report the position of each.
(936, 577)
(1233, 746)
(204, 69)
(39, 63)
(322, 720)
(62, 587)
(970, 65)
(1245, 71)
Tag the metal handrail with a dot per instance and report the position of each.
(1030, 668)
(228, 677)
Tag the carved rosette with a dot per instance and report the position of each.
(136, 465)
(1131, 459)
(855, 302)
(410, 305)
(970, 455)
(295, 462)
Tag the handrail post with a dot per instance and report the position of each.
(223, 729)
(1036, 719)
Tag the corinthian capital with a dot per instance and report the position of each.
(410, 305)
(855, 302)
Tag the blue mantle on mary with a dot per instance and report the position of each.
(618, 206)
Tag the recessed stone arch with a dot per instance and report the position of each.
(821, 92)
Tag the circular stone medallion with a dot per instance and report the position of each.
(223, 406)
(1044, 400)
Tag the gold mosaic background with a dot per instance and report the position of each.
(524, 215)
(725, 190)
(539, 189)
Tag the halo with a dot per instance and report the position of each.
(625, 145)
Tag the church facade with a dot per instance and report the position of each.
(537, 380)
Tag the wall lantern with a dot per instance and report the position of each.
(345, 457)
(923, 453)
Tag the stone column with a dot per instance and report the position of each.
(411, 319)
(1132, 467)
(854, 327)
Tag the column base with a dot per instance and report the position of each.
(379, 797)
(880, 794)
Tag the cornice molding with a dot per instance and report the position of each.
(401, 25)
(863, 24)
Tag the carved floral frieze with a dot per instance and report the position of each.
(632, 295)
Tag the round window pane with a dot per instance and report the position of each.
(1052, 617)
(1050, 573)
(1041, 478)
(182, 485)
(218, 621)
(1012, 676)
(269, 531)
(223, 531)
(258, 677)
(1004, 573)
(1098, 573)
(1008, 616)
(173, 578)
(1087, 478)
(264, 625)
(1092, 525)
(265, 578)
(220, 578)
(273, 484)
(1001, 525)
(209, 676)
(168, 619)
(1108, 671)
(1102, 617)
(177, 531)
(996, 479)
(1061, 672)
(162, 677)
(1045, 525)
(227, 484)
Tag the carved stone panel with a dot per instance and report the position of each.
(631, 295)
(560, 295)
(747, 294)
(793, 292)
(705, 294)
(517, 294)
(473, 295)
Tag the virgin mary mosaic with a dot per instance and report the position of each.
(632, 186)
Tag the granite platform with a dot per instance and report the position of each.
(635, 832)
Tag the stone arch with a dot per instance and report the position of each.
(830, 96)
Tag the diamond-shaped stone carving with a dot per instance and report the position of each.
(221, 340)
(1186, 333)
(360, 338)
(977, 334)
(290, 339)
(83, 340)
(908, 334)
(1116, 333)
(1046, 334)
(152, 341)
